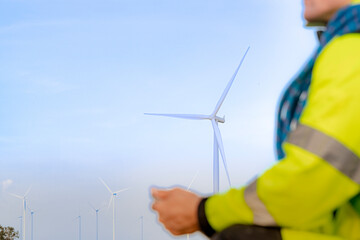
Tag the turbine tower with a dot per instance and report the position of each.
(218, 144)
(97, 219)
(79, 217)
(112, 199)
(23, 198)
(142, 227)
(32, 211)
(141, 220)
(32, 224)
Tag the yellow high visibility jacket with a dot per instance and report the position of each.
(308, 193)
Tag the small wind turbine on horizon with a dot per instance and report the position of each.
(23, 198)
(188, 189)
(112, 199)
(20, 225)
(97, 219)
(32, 211)
(218, 144)
(142, 226)
(79, 217)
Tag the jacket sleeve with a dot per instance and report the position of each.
(321, 169)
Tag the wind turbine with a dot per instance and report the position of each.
(32, 224)
(112, 199)
(79, 217)
(23, 198)
(97, 219)
(142, 226)
(188, 189)
(218, 144)
(20, 225)
(32, 211)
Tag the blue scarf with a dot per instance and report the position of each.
(346, 20)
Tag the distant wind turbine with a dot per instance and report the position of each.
(20, 225)
(32, 211)
(142, 226)
(79, 217)
(23, 198)
(97, 219)
(218, 144)
(188, 189)
(112, 199)
(32, 224)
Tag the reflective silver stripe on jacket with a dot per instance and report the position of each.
(327, 148)
(261, 215)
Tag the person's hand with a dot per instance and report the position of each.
(177, 209)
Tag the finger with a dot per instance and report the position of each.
(159, 194)
(155, 206)
(162, 220)
(158, 207)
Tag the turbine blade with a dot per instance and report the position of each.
(92, 206)
(107, 187)
(31, 210)
(27, 192)
(192, 181)
(15, 195)
(137, 220)
(221, 147)
(111, 199)
(185, 116)
(122, 190)
(222, 98)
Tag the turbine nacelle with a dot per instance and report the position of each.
(219, 119)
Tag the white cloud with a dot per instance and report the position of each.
(6, 184)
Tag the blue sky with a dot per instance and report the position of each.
(76, 77)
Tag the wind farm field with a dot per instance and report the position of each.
(78, 156)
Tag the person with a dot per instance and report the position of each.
(313, 190)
